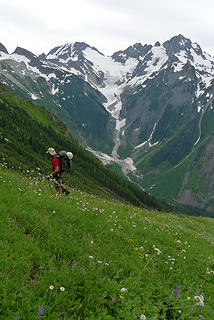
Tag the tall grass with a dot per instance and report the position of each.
(81, 257)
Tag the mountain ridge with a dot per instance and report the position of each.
(137, 105)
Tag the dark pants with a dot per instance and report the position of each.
(57, 178)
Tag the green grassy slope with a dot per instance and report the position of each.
(113, 260)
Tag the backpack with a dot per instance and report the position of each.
(65, 162)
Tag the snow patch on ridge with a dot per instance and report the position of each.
(149, 140)
(54, 90)
(115, 74)
(34, 97)
(158, 62)
(60, 51)
(19, 58)
(159, 58)
(204, 66)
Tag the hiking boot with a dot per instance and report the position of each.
(65, 191)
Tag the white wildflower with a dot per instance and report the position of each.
(91, 257)
(157, 250)
(142, 317)
(200, 300)
(62, 289)
(123, 290)
(51, 287)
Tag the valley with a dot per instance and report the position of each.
(150, 106)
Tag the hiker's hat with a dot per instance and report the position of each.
(70, 155)
(51, 151)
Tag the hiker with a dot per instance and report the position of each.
(56, 173)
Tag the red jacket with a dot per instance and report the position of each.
(55, 162)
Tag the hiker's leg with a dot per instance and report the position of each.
(57, 183)
(63, 188)
(60, 188)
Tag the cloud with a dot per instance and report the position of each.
(149, 21)
(19, 18)
(108, 25)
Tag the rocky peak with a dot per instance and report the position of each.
(136, 51)
(60, 51)
(3, 49)
(80, 46)
(42, 56)
(23, 52)
(69, 50)
(183, 46)
(176, 44)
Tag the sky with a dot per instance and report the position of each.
(108, 25)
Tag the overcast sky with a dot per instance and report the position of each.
(108, 25)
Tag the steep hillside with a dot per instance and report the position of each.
(27, 130)
(85, 258)
(177, 156)
(62, 91)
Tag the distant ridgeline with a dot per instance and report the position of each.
(27, 130)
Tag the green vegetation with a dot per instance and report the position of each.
(86, 114)
(82, 257)
(170, 189)
(178, 147)
(27, 130)
(195, 182)
(77, 105)
(89, 256)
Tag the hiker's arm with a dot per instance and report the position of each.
(56, 170)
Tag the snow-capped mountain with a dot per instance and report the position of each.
(149, 107)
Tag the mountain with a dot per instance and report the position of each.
(147, 109)
(28, 130)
